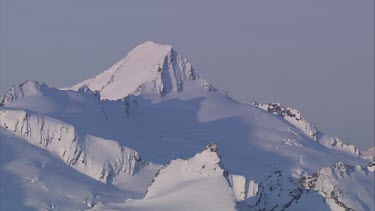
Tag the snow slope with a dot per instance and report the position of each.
(149, 68)
(33, 179)
(103, 160)
(199, 183)
(153, 103)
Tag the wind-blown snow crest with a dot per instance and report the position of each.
(149, 68)
(337, 144)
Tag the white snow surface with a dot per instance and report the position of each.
(152, 103)
(294, 117)
(33, 179)
(103, 160)
(199, 183)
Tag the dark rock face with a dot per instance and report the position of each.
(371, 166)
(209, 87)
(212, 147)
(276, 108)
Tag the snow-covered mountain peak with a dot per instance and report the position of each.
(194, 184)
(88, 136)
(212, 147)
(209, 157)
(27, 88)
(150, 46)
(149, 68)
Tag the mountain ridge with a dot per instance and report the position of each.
(168, 116)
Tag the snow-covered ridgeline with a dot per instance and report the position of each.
(331, 188)
(37, 97)
(291, 115)
(294, 117)
(337, 144)
(98, 158)
(149, 68)
(27, 88)
(340, 185)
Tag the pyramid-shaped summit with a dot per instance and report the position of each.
(149, 68)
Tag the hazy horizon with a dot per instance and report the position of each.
(316, 56)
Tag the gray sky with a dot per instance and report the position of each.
(316, 56)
